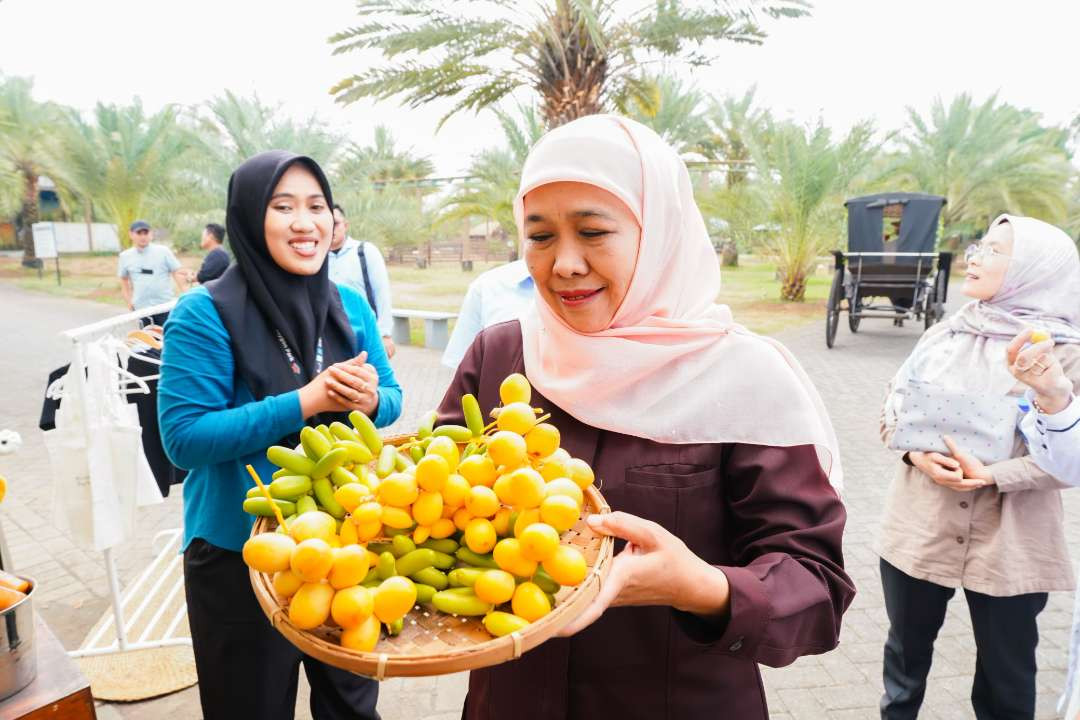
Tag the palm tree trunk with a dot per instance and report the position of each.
(29, 213)
(88, 216)
(793, 287)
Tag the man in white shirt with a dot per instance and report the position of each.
(1052, 430)
(147, 271)
(360, 265)
(1052, 426)
(498, 295)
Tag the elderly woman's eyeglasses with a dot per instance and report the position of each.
(981, 253)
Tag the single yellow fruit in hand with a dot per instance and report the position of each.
(507, 555)
(269, 552)
(1037, 336)
(495, 586)
(363, 638)
(432, 472)
(515, 388)
(312, 560)
(480, 535)
(482, 502)
(352, 606)
(310, 606)
(542, 440)
(507, 448)
(560, 512)
(3, 487)
(394, 598)
(538, 541)
(566, 566)
(286, 583)
(350, 566)
(478, 470)
(530, 602)
(315, 524)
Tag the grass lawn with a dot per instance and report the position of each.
(750, 289)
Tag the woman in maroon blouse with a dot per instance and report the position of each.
(709, 442)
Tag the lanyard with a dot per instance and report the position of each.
(291, 359)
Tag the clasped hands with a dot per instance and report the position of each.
(1033, 364)
(344, 386)
(655, 568)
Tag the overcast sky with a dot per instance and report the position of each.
(853, 59)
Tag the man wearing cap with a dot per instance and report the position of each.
(145, 269)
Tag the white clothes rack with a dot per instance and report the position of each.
(80, 337)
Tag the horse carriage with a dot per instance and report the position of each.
(891, 269)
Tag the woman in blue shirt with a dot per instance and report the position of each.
(249, 360)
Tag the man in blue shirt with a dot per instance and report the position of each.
(498, 295)
(147, 271)
(360, 266)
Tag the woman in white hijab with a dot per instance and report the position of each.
(972, 514)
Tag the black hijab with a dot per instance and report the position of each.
(257, 299)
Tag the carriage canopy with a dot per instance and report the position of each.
(893, 222)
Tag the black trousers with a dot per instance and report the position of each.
(246, 668)
(1006, 635)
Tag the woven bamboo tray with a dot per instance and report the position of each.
(433, 643)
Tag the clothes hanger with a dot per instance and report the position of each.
(145, 337)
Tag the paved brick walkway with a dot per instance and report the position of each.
(840, 685)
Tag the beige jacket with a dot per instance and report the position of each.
(1001, 540)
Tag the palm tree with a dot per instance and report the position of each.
(735, 126)
(383, 161)
(124, 160)
(805, 175)
(238, 127)
(985, 158)
(579, 56)
(25, 127)
(674, 112)
(495, 174)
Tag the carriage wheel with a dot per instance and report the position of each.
(854, 308)
(832, 311)
(932, 311)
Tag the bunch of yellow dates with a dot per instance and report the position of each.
(372, 529)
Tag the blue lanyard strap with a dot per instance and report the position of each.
(290, 358)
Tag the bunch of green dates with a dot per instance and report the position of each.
(327, 457)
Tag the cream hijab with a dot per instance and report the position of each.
(1041, 289)
(673, 367)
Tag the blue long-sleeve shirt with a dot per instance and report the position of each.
(212, 425)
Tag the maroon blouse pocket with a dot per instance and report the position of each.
(686, 500)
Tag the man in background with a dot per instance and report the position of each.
(217, 260)
(495, 296)
(360, 265)
(147, 271)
